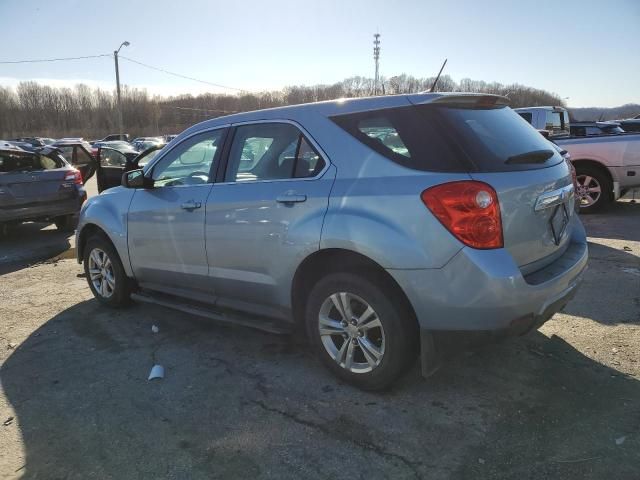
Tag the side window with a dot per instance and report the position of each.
(67, 153)
(82, 157)
(271, 151)
(112, 158)
(190, 162)
(381, 130)
(309, 162)
(528, 116)
(50, 163)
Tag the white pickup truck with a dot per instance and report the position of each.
(607, 166)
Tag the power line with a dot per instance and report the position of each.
(179, 75)
(54, 59)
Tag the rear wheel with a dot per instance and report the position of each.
(105, 273)
(594, 188)
(359, 330)
(66, 223)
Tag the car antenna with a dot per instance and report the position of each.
(435, 82)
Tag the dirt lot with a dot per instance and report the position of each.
(75, 403)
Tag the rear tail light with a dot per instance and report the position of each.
(74, 176)
(469, 210)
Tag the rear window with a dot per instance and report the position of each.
(449, 139)
(557, 121)
(21, 162)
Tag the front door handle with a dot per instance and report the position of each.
(190, 205)
(291, 198)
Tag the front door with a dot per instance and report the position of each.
(166, 222)
(266, 216)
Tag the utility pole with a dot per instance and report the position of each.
(376, 57)
(115, 57)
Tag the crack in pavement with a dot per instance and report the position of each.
(364, 445)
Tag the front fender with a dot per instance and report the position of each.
(107, 211)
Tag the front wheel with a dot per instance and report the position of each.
(360, 330)
(105, 273)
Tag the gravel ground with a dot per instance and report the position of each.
(75, 403)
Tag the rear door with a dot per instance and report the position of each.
(266, 216)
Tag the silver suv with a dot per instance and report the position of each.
(377, 224)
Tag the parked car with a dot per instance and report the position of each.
(554, 120)
(584, 129)
(607, 167)
(117, 144)
(78, 153)
(115, 136)
(38, 186)
(35, 141)
(377, 223)
(143, 143)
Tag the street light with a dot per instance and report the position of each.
(115, 57)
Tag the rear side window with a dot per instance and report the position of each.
(20, 162)
(271, 151)
(528, 116)
(448, 139)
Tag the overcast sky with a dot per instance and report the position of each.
(582, 49)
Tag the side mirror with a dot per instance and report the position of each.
(136, 179)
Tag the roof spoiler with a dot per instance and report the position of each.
(461, 99)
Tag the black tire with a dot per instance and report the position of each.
(119, 295)
(599, 178)
(397, 320)
(66, 223)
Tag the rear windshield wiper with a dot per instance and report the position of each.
(536, 156)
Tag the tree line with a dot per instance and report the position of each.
(33, 109)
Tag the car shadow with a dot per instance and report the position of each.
(32, 242)
(620, 221)
(610, 291)
(237, 403)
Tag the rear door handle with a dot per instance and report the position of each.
(190, 205)
(291, 198)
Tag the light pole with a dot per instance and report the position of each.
(115, 57)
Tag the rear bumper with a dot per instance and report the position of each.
(35, 211)
(484, 290)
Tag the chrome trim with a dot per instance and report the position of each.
(556, 197)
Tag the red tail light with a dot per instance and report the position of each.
(469, 210)
(74, 176)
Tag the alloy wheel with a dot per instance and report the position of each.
(351, 332)
(588, 190)
(101, 273)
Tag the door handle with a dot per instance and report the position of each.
(291, 198)
(190, 205)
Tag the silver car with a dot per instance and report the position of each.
(379, 225)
